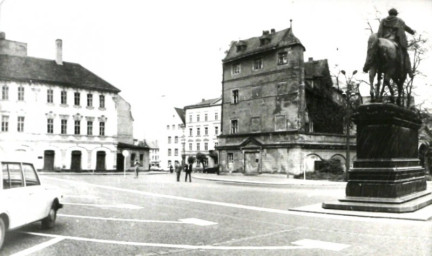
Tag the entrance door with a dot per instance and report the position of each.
(49, 156)
(252, 162)
(120, 162)
(100, 160)
(76, 161)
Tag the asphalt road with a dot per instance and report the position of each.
(154, 215)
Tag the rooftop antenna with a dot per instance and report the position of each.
(290, 22)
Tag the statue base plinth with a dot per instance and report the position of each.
(387, 177)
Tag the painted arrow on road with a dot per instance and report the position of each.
(193, 221)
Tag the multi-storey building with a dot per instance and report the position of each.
(279, 114)
(203, 125)
(154, 153)
(61, 115)
(172, 145)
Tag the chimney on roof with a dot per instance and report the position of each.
(2, 35)
(202, 100)
(310, 59)
(272, 31)
(59, 52)
(265, 32)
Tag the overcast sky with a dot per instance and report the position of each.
(168, 53)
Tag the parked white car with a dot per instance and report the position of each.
(23, 199)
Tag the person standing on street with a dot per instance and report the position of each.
(136, 164)
(188, 171)
(178, 171)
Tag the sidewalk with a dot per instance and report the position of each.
(265, 179)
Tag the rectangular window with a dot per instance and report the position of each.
(205, 130)
(230, 157)
(258, 64)
(63, 98)
(176, 152)
(205, 117)
(77, 130)
(5, 92)
(198, 146)
(168, 126)
(235, 96)
(236, 69)
(234, 126)
(216, 116)
(50, 96)
(102, 128)
(89, 100)
(77, 98)
(50, 125)
(101, 101)
(255, 125)
(173, 126)
(282, 58)
(63, 126)
(190, 146)
(169, 139)
(198, 131)
(206, 146)
(5, 123)
(198, 118)
(216, 130)
(190, 131)
(176, 139)
(20, 127)
(183, 146)
(169, 152)
(20, 93)
(190, 118)
(89, 127)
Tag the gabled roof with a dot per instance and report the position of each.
(29, 69)
(181, 114)
(318, 69)
(253, 45)
(205, 103)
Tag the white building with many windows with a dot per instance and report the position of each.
(170, 145)
(203, 123)
(60, 114)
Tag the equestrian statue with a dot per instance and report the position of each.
(387, 56)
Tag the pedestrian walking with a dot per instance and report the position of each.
(188, 171)
(178, 171)
(136, 164)
(171, 168)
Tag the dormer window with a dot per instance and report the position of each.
(282, 58)
(241, 46)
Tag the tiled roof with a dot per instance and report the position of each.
(181, 114)
(204, 103)
(318, 68)
(18, 68)
(253, 45)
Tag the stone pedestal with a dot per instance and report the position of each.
(387, 176)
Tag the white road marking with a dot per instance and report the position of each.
(121, 206)
(39, 246)
(80, 196)
(179, 246)
(232, 205)
(321, 245)
(198, 222)
(192, 221)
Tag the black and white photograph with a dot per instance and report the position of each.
(279, 127)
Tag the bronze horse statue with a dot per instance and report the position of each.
(384, 58)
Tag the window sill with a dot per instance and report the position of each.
(77, 106)
(102, 108)
(89, 107)
(64, 105)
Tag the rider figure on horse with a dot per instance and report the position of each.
(393, 28)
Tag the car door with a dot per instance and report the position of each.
(39, 202)
(15, 197)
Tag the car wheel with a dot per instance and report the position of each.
(2, 232)
(49, 221)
